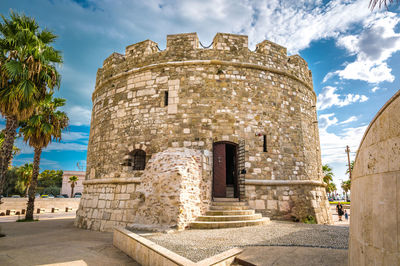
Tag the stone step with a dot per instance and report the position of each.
(225, 199)
(227, 224)
(228, 208)
(230, 212)
(228, 203)
(224, 218)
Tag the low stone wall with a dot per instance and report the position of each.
(289, 199)
(19, 204)
(107, 203)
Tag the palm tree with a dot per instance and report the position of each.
(331, 187)
(328, 177)
(380, 3)
(45, 125)
(73, 180)
(27, 73)
(346, 187)
(24, 177)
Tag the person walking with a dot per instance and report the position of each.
(346, 215)
(339, 209)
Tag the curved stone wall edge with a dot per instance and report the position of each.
(378, 114)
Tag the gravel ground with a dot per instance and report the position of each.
(197, 245)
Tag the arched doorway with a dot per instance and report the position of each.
(225, 170)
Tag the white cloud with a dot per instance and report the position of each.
(295, 24)
(376, 88)
(60, 146)
(349, 120)
(333, 144)
(372, 48)
(78, 115)
(328, 98)
(43, 162)
(327, 120)
(74, 136)
(54, 146)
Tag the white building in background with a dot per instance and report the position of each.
(66, 186)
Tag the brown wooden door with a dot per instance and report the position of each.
(219, 169)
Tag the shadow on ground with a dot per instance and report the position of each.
(57, 242)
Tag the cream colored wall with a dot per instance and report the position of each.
(375, 188)
(66, 186)
(47, 204)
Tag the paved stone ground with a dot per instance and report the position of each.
(199, 244)
(54, 240)
(57, 241)
(299, 256)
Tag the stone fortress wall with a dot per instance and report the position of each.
(224, 93)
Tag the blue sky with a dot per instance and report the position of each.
(353, 54)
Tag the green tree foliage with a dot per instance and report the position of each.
(346, 185)
(43, 127)
(49, 181)
(24, 173)
(27, 73)
(11, 182)
(328, 178)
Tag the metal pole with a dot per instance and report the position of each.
(348, 159)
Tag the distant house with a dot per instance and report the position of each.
(66, 186)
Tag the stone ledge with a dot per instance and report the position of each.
(284, 182)
(113, 181)
(149, 253)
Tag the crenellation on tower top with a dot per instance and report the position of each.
(230, 42)
(270, 48)
(299, 62)
(183, 42)
(186, 47)
(113, 59)
(143, 48)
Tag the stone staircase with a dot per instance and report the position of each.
(228, 213)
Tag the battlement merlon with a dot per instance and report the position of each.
(183, 42)
(270, 48)
(143, 48)
(113, 59)
(230, 42)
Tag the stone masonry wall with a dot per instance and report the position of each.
(290, 201)
(173, 190)
(105, 205)
(225, 93)
(171, 193)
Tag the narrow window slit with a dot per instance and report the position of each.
(265, 143)
(165, 98)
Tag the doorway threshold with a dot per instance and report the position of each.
(226, 199)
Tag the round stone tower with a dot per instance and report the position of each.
(171, 130)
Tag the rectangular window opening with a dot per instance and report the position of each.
(265, 143)
(165, 98)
